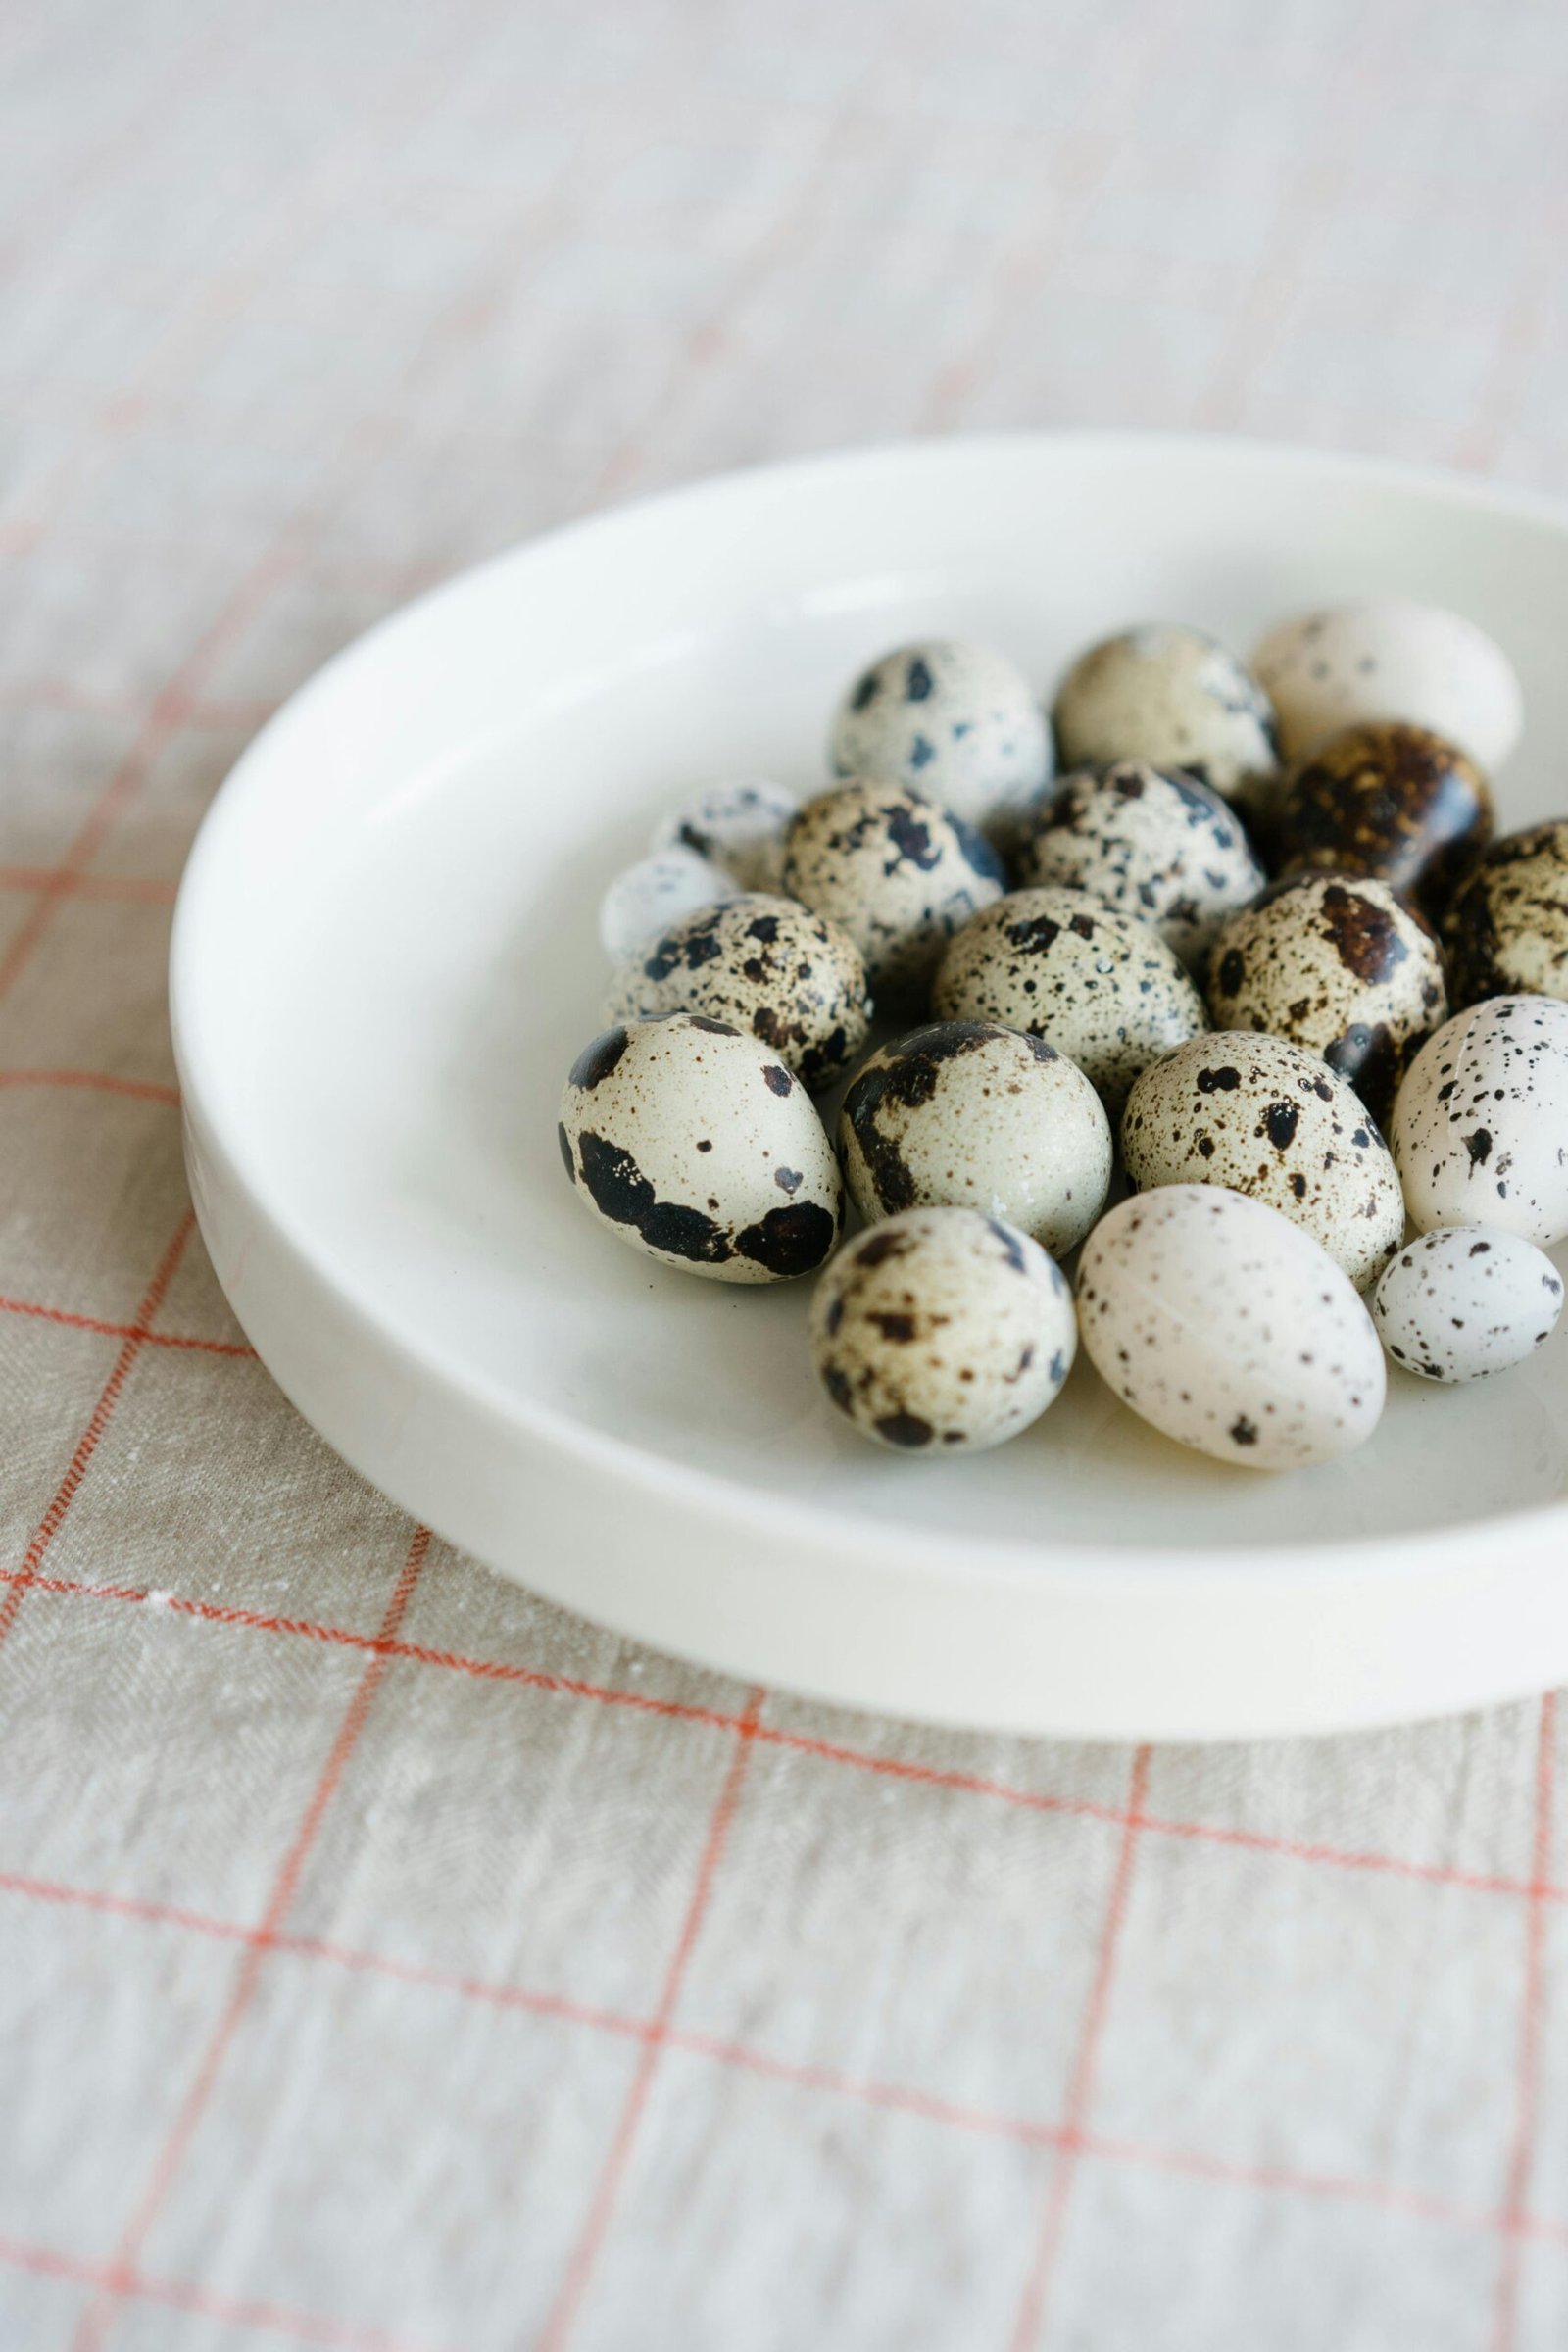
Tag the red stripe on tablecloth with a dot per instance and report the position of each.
(140, 1090)
(1521, 2160)
(121, 1331)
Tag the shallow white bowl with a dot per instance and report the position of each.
(385, 959)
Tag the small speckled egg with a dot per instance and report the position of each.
(966, 1114)
(1230, 1328)
(1101, 987)
(1480, 1126)
(1386, 657)
(1170, 696)
(695, 1145)
(738, 827)
(1150, 842)
(1339, 966)
(956, 722)
(764, 964)
(1390, 801)
(943, 1328)
(1466, 1300)
(657, 891)
(1270, 1120)
(900, 872)
(1507, 930)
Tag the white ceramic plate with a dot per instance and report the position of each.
(386, 958)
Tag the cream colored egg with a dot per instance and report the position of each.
(1480, 1127)
(1390, 657)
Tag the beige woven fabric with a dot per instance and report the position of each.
(385, 1959)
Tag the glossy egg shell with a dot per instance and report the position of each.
(896, 869)
(956, 720)
(1480, 1125)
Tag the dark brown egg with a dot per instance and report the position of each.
(1390, 801)
(1507, 930)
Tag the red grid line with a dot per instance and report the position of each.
(1521, 2161)
(50, 1524)
(177, 2295)
(1035, 2304)
(123, 1330)
(102, 1082)
(567, 2306)
(124, 2267)
(535, 1678)
(137, 891)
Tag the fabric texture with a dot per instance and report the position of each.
(387, 1960)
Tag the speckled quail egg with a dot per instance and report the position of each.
(942, 1328)
(695, 1145)
(898, 871)
(1386, 657)
(1270, 1120)
(966, 1115)
(1507, 930)
(1150, 842)
(655, 892)
(1390, 801)
(1230, 1328)
(1339, 966)
(738, 827)
(764, 964)
(1173, 697)
(1480, 1126)
(1466, 1300)
(1101, 987)
(956, 720)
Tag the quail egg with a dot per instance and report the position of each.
(1150, 842)
(966, 1115)
(1337, 965)
(1101, 987)
(738, 827)
(956, 722)
(896, 869)
(1388, 799)
(694, 1144)
(764, 964)
(1465, 1300)
(657, 891)
(1173, 697)
(1480, 1126)
(1270, 1120)
(1230, 1328)
(942, 1328)
(1507, 930)
(1386, 657)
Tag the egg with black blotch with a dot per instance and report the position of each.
(1464, 1302)
(1390, 800)
(1507, 930)
(957, 720)
(1480, 1125)
(644, 899)
(738, 827)
(898, 871)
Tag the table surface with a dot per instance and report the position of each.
(387, 1959)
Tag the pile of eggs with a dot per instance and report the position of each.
(1214, 978)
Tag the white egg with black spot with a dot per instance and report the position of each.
(1267, 1118)
(1230, 1328)
(1467, 1301)
(1101, 987)
(647, 898)
(897, 871)
(767, 966)
(1390, 657)
(967, 1114)
(942, 1329)
(957, 720)
(1171, 696)
(695, 1145)
(1151, 842)
(1480, 1126)
(738, 827)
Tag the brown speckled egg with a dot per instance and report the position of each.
(1229, 1329)
(897, 871)
(765, 964)
(1171, 696)
(694, 1144)
(1269, 1119)
(738, 827)
(942, 1329)
(1150, 842)
(1388, 799)
(1339, 966)
(1480, 1126)
(1101, 987)
(1507, 930)
(966, 1115)
(958, 721)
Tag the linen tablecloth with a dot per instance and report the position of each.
(385, 1958)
